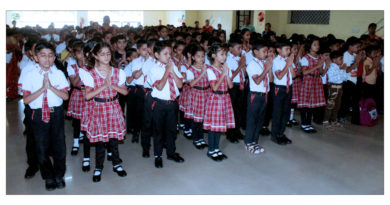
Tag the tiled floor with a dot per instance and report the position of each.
(347, 161)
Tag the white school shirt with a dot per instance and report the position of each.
(325, 76)
(248, 56)
(9, 57)
(256, 67)
(128, 73)
(146, 71)
(206, 59)
(60, 47)
(136, 65)
(211, 75)
(335, 74)
(71, 61)
(156, 74)
(183, 69)
(232, 63)
(25, 60)
(88, 80)
(24, 72)
(349, 59)
(33, 81)
(55, 37)
(190, 75)
(278, 65)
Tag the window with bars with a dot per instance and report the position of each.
(310, 17)
(240, 18)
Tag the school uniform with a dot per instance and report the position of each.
(85, 112)
(219, 114)
(281, 98)
(198, 96)
(130, 101)
(335, 91)
(318, 115)
(311, 94)
(137, 64)
(256, 101)
(297, 83)
(47, 121)
(32, 159)
(236, 94)
(184, 101)
(165, 108)
(147, 129)
(106, 122)
(351, 93)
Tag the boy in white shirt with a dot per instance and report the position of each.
(44, 90)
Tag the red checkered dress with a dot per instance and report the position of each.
(297, 83)
(77, 99)
(105, 120)
(183, 98)
(311, 94)
(197, 98)
(219, 114)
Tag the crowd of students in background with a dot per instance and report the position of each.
(152, 81)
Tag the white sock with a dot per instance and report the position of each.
(97, 172)
(109, 153)
(292, 114)
(76, 142)
(81, 134)
(86, 161)
(119, 167)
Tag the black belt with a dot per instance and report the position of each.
(281, 86)
(104, 100)
(77, 88)
(139, 86)
(201, 88)
(259, 93)
(51, 109)
(221, 92)
(148, 89)
(164, 101)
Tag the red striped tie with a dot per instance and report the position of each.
(242, 86)
(171, 87)
(45, 108)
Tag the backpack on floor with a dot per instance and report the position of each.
(368, 112)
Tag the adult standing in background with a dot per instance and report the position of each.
(207, 27)
(267, 31)
(247, 25)
(372, 30)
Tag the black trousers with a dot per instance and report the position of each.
(164, 126)
(306, 115)
(101, 153)
(213, 140)
(50, 136)
(269, 109)
(319, 112)
(86, 147)
(147, 130)
(122, 101)
(281, 110)
(139, 108)
(237, 98)
(76, 128)
(350, 98)
(197, 131)
(32, 159)
(254, 117)
(369, 91)
(130, 113)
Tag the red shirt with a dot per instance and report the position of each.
(207, 28)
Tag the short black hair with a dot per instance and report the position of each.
(29, 44)
(105, 33)
(372, 25)
(42, 44)
(369, 49)
(130, 51)
(282, 43)
(324, 50)
(161, 45)
(151, 42)
(336, 54)
(310, 39)
(259, 44)
(234, 41)
(140, 43)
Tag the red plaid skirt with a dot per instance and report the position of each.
(76, 104)
(219, 114)
(296, 86)
(105, 121)
(85, 113)
(197, 104)
(183, 98)
(311, 94)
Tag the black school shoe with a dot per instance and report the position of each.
(75, 150)
(135, 138)
(294, 122)
(97, 177)
(306, 129)
(312, 130)
(119, 170)
(158, 162)
(187, 135)
(86, 168)
(214, 156)
(265, 131)
(288, 124)
(287, 140)
(145, 154)
(50, 184)
(176, 158)
(60, 183)
(197, 144)
(30, 172)
(232, 139)
(221, 155)
(279, 141)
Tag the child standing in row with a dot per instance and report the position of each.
(219, 114)
(106, 122)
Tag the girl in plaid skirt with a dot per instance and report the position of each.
(296, 49)
(311, 94)
(219, 114)
(106, 122)
(198, 95)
